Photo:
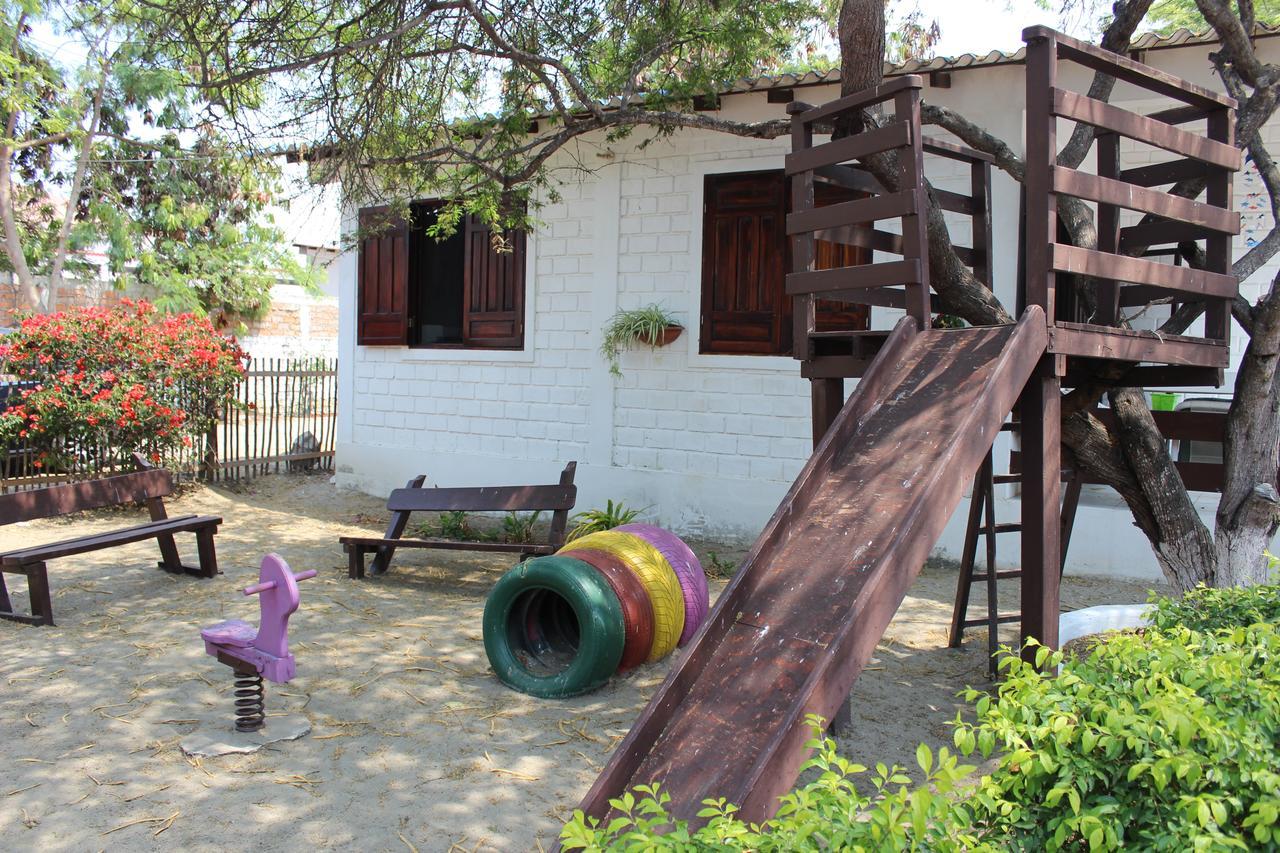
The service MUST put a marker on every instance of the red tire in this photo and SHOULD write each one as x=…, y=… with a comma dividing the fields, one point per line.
x=637, y=610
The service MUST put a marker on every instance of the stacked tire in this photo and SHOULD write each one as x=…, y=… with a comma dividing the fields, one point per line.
x=607, y=602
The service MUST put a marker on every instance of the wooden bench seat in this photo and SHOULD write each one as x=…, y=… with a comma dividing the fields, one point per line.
x=558, y=499
x=148, y=485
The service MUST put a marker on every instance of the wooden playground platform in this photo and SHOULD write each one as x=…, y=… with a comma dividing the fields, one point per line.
x=807, y=608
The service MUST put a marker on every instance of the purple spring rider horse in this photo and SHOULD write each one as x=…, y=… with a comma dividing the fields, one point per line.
x=254, y=654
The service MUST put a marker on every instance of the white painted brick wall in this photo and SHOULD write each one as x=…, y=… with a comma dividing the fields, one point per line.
x=627, y=236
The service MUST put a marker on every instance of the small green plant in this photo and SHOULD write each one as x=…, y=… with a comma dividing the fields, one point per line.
x=1208, y=609
x=638, y=325
x=595, y=520
x=454, y=525
x=720, y=567
x=829, y=813
x=519, y=528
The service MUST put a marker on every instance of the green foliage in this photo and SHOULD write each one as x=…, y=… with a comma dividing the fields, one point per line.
x=595, y=520
x=106, y=119
x=1164, y=740
x=454, y=525
x=1166, y=16
x=519, y=528
x=719, y=567
x=637, y=325
x=829, y=813
x=442, y=101
x=1209, y=609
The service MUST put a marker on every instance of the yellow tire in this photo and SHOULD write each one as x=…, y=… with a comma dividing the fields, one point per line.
x=659, y=580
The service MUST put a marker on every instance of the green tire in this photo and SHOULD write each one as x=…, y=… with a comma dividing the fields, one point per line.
x=553, y=628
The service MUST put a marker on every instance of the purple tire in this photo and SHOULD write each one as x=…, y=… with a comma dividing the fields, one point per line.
x=693, y=581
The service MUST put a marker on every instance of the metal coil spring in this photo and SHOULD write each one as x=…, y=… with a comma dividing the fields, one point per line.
x=250, y=706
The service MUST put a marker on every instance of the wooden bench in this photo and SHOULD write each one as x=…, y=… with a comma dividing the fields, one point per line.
x=559, y=499
x=148, y=485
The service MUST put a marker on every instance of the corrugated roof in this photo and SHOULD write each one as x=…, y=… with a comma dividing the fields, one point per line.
x=1147, y=41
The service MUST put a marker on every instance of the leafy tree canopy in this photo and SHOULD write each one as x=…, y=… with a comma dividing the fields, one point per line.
x=106, y=146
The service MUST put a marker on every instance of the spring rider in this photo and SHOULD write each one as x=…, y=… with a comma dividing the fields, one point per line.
x=263, y=652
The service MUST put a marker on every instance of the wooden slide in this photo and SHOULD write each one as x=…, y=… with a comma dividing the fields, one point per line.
x=801, y=618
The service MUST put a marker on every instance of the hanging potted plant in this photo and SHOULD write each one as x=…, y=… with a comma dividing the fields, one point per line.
x=651, y=325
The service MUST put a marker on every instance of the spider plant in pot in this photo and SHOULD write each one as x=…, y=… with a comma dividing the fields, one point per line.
x=652, y=325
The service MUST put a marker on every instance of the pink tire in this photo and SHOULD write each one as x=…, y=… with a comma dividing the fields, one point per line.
x=693, y=581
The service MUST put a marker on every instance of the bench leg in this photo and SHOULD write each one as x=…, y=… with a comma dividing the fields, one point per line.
x=6, y=605
x=208, y=556
x=38, y=588
x=381, y=560
x=169, y=559
x=355, y=562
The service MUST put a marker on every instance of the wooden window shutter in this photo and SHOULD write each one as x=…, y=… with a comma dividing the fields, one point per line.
x=744, y=309
x=493, y=289
x=382, y=290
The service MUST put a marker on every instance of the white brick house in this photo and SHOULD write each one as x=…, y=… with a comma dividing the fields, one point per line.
x=706, y=441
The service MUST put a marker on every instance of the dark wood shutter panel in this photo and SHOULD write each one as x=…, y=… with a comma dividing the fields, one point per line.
x=743, y=262
x=493, y=289
x=382, y=290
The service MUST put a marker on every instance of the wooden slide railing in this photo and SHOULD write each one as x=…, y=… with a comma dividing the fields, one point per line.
x=884, y=282
x=1123, y=277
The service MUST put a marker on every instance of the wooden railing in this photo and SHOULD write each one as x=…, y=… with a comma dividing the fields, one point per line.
x=1120, y=268
x=886, y=283
x=904, y=282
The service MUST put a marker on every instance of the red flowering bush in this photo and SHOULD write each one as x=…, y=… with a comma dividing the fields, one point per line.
x=110, y=382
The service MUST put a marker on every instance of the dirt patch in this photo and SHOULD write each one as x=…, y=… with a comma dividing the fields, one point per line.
x=414, y=743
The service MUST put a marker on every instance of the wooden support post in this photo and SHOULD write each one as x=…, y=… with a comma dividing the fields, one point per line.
x=1042, y=146
x=1217, y=315
x=915, y=236
x=828, y=398
x=1108, y=292
x=1040, y=409
x=803, y=249
x=5, y=604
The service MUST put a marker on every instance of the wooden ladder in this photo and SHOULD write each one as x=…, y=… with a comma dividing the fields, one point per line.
x=982, y=522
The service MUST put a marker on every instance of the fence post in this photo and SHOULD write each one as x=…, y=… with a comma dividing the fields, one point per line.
x=209, y=464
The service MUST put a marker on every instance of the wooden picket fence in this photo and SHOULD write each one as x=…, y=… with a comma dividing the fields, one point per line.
x=283, y=418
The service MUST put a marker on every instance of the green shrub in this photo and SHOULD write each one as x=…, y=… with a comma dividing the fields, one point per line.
x=1164, y=740
x=829, y=813
x=1167, y=739
x=1207, y=609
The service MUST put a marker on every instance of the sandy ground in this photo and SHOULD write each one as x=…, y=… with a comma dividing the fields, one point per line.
x=415, y=745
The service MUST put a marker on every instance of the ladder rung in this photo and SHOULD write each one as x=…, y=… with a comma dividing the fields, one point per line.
x=1010, y=527
x=1010, y=573
x=1000, y=479
x=1002, y=620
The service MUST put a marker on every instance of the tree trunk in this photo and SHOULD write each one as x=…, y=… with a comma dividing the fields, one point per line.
x=860, y=26
x=1249, y=511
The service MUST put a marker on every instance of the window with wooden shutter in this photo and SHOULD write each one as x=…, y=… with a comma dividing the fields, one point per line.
x=457, y=292
x=493, y=288
x=743, y=263
x=745, y=256
x=382, y=289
